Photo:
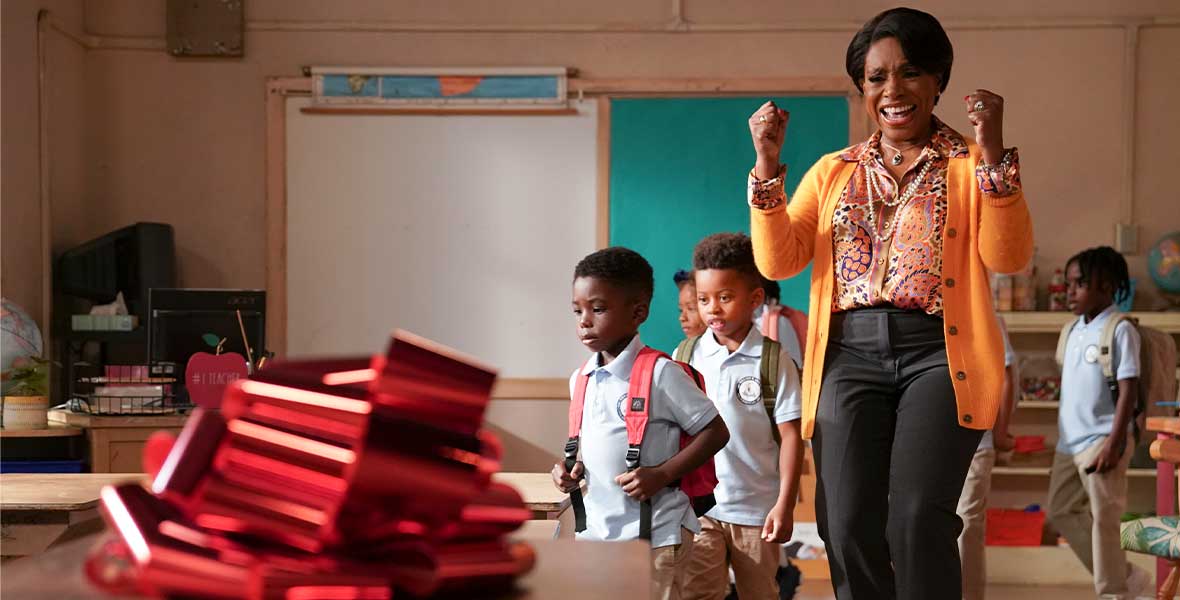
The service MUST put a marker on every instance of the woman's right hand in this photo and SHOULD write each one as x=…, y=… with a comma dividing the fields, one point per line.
x=768, y=127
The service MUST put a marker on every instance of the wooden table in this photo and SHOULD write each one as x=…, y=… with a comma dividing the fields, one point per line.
x=38, y=511
x=565, y=569
x=539, y=493
x=116, y=442
x=54, y=429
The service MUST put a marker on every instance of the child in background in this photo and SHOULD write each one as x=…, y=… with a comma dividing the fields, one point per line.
x=780, y=322
x=1088, y=483
x=690, y=320
x=757, y=479
x=973, y=501
x=612, y=291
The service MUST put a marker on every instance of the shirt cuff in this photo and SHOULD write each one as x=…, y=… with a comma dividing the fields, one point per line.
x=765, y=194
x=1002, y=179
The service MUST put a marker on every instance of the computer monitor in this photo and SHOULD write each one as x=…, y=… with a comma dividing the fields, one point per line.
x=182, y=322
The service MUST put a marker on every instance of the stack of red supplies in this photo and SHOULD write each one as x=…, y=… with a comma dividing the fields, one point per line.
x=360, y=479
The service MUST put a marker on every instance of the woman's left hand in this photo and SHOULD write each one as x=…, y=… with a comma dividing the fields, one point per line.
x=985, y=110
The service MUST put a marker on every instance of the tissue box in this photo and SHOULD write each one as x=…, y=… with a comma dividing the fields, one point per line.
x=104, y=322
x=82, y=322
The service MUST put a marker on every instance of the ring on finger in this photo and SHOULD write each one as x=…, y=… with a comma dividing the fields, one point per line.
x=978, y=106
x=761, y=118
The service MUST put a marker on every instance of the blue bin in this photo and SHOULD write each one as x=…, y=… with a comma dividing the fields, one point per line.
x=41, y=466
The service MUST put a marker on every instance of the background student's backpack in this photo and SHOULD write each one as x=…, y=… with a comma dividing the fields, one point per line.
x=797, y=319
x=1157, y=366
x=698, y=485
x=767, y=372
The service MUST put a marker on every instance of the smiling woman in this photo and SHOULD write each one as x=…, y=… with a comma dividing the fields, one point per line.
x=904, y=365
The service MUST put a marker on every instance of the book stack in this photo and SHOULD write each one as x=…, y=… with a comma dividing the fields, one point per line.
x=355, y=478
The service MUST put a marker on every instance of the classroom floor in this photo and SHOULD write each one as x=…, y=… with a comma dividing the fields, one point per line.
x=822, y=590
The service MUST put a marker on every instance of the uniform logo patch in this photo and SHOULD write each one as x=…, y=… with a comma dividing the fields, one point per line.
x=749, y=390
x=621, y=407
x=1091, y=354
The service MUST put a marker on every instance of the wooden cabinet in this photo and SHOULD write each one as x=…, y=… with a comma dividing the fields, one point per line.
x=116, y=442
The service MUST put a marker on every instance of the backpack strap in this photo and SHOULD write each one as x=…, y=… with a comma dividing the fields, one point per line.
x=577, y=401
x=769, y=325
x=638, y=412
x=768, y=373
x=685, y=349
x=1106, y=361
x=1063, y=340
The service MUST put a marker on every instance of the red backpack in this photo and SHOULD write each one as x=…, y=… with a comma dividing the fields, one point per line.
x=697, y=485
x=797, y=319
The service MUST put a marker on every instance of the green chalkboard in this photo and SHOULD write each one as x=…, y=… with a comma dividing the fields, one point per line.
x=678, y=173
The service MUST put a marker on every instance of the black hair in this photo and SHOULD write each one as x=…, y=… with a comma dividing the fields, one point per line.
x=922, y=39
x=1103, y=266
x=682, y=277
x=772, y=289
x=622, y=267
x=727, y=251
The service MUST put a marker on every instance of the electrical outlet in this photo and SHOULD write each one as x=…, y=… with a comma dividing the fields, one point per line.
x=1126, y=238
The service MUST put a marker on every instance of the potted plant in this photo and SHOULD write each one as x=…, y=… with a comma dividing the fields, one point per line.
x=26, y=403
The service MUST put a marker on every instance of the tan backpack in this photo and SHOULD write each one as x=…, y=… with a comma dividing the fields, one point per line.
x=1157, y=366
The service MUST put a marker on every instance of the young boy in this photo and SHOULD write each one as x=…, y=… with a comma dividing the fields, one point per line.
x=612, y=292
x=973, y=501
x=757, y=478
x=690, y=320
x=785, y=332
x=1088, y=484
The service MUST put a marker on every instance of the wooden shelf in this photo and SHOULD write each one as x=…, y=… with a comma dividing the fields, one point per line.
x=54, y=430
x=1039, y=404
x=1052, y=322
x=1044, y=471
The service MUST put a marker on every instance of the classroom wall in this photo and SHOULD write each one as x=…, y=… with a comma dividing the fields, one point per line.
x=182, y=141
x=21, y=272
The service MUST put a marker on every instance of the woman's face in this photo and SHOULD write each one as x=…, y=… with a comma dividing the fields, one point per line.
x=898, y=95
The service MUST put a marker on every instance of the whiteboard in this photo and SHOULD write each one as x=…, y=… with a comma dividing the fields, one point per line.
x=463, y=229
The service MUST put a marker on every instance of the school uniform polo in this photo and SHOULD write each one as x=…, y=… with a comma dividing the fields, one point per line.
x=676, y=405
x=788, y=339
x=1086, y=414
x=747, y=467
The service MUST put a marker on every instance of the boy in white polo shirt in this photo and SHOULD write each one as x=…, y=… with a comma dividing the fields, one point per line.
x=1088, y=484
x=611, y=298
x=757, y=478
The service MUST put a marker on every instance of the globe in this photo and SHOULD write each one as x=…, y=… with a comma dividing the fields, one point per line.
x=19, y=336
x=1163, y=263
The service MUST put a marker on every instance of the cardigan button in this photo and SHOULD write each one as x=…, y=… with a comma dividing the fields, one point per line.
x=953, y=330
x=967, y=418
x=951, y=232
x=960, y=376
x=950, y=282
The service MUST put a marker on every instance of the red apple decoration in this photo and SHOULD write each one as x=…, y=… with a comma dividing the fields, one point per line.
x=207, y=376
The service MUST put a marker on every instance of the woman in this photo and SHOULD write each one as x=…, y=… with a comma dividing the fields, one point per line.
x=905, y=362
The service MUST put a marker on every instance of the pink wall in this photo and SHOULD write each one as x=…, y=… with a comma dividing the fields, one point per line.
x=138, y=135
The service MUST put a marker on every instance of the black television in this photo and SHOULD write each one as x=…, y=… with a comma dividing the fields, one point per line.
x=131, y=260
x=181, y=322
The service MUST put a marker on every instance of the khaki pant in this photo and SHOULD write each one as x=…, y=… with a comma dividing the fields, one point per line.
x=720, y=545
x=1086, y=510
x=668, y=567
x=973, y=511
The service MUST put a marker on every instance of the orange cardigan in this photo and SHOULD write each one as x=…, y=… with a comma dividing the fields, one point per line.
x=981, y=232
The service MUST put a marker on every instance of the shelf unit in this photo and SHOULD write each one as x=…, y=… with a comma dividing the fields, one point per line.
x=1052, y=322
x=1034, y=336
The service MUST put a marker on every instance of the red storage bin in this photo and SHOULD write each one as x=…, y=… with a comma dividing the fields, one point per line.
x=1013, y=527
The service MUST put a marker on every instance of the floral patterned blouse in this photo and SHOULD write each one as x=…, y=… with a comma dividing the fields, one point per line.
x=904, y=270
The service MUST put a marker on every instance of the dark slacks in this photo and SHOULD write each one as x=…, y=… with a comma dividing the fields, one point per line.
x=891, y=458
